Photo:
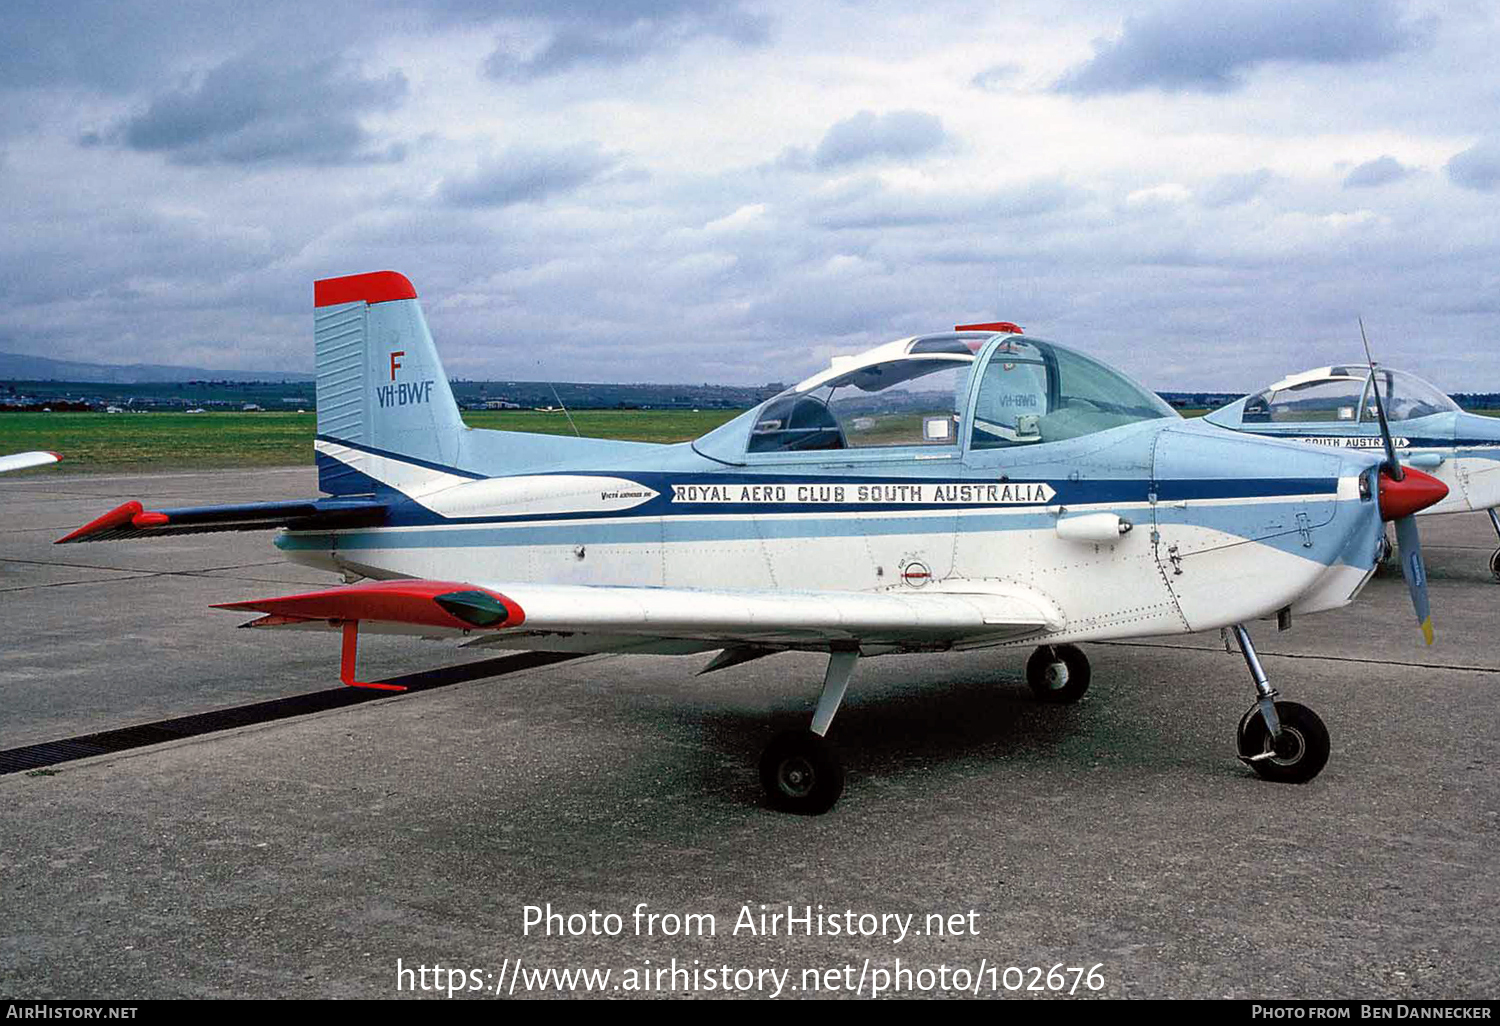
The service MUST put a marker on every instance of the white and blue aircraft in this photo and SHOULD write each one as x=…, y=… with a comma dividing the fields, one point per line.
x=24, y=460
x=1336, y=407
x=958, y=490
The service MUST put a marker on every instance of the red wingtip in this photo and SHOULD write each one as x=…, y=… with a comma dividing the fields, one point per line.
x=1014, y=329
x=401, y=601
x=374, y=287
x=1413, y=493
x=55, y=455
x=117, y=517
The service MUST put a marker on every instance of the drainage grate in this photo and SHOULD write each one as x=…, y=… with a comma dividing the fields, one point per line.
x=50, y=753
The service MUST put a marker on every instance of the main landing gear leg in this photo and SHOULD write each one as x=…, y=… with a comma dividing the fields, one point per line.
x=799, y=769
x=1282, y=741
x=1495, y=556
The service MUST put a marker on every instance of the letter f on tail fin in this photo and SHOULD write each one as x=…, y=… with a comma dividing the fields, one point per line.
x=386, y=416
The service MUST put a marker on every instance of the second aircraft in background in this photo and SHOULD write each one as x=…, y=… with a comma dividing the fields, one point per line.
x=1334, y=407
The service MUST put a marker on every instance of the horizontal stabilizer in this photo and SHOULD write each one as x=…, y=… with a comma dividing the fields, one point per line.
x=132, y=520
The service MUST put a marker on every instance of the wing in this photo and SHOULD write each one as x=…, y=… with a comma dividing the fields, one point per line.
x=132, y=520
x=582, y=618
x=22, y=460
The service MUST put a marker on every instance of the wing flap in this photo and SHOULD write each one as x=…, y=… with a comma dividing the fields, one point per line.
x=771, y=617
x=132, y=520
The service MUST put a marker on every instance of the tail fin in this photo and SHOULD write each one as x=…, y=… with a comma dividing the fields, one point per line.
x=386, y=416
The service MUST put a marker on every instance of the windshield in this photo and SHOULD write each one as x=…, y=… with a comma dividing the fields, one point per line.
x=1034, y=391
x=1406, y=397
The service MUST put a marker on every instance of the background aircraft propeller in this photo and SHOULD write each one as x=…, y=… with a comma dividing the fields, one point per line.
x=1402, y=493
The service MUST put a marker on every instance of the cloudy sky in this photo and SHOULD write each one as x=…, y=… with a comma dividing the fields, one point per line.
x=1205, y=194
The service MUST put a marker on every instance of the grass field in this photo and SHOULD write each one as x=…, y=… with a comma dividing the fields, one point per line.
x=91, y=442
x=186, y=441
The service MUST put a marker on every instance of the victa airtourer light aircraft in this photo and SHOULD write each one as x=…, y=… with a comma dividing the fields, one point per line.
x=1334, y=407
x=958, y=490
x=23, y=460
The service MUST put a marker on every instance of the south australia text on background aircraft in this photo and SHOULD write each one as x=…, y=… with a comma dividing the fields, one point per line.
x=959, y=490
x=1336, y=407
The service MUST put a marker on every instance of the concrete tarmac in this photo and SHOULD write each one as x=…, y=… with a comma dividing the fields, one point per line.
x=304, y=858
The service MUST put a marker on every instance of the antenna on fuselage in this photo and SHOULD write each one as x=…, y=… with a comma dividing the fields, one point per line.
x=562, y=405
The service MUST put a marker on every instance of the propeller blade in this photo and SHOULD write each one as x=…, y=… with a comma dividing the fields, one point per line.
x=1393, y=465
x=1416, y=572
x=1402, y=494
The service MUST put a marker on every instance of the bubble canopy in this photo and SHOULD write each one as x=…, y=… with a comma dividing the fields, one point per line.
x=1344, y=395
x=940, y=392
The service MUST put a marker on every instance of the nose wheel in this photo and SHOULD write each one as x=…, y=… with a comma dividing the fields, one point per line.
x=1296, y=755
x=1281, y=741
x=1058, y=674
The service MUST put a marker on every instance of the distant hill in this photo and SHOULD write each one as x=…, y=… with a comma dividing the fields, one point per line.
x=15, y=367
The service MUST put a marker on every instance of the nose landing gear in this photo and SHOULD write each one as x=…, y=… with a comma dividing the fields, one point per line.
x=1385, y=556
x=1281, y=741
x=1495, y=556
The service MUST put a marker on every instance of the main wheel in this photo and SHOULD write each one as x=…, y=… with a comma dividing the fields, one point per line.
x=801, y=773
x=1058, y=674
x=1495, y=564
x=1297, y=756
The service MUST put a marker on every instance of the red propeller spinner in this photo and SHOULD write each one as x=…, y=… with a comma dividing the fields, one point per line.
x=1413, y=492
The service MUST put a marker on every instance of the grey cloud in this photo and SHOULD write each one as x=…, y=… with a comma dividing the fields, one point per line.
x=897, y=135
x=1380, y=171
x=872, y=205
x=529, y=176
x=248, y=111
x=117, y=46
x=610, y=35
x=995, y=78
x=1227, y=190
x=104, y=44
x=1478, y=167
x=1188, y=45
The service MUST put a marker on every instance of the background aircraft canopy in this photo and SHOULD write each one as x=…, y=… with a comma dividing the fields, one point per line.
x=1343, y=395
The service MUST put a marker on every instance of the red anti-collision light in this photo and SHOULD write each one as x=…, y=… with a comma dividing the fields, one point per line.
x=1014, y=329
x=1414, y=492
